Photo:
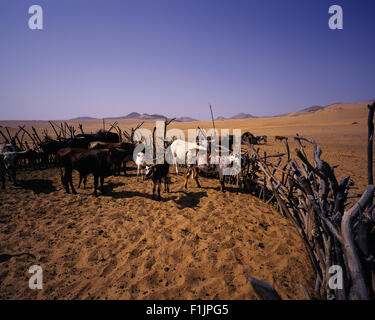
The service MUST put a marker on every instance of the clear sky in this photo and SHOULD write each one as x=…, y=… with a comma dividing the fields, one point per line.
x=105, y=58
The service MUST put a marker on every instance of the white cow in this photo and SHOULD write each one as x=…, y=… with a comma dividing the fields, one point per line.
x=179, y=149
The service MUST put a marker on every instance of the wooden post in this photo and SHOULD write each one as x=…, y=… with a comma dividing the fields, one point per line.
x=265, y=178
x=213, y=122
x=5, y=138
x=370, y=124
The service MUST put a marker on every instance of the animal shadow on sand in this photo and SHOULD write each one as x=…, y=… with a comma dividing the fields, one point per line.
x=5, y=257
x=190, y=199
x=109, y=192
x=37, y=185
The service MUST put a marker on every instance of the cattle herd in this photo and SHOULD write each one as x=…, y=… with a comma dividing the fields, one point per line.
x=104, y=153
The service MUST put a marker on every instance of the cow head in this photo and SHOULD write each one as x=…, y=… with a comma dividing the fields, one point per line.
x=149, y=170
x=10, y=160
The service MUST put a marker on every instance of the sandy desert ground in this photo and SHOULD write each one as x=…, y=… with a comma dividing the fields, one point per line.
x=199, y=244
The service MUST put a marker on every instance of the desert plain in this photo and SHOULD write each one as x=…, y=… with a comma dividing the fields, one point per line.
x=194, y=244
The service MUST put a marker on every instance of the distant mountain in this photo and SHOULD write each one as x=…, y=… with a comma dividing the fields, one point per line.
x=83, y=118
x=220, y=118
x=131, y=115
x=313, y=109
x=144, y=116
x=237, y=116
x=308, y=110
x=242, y=116
x=185, y=119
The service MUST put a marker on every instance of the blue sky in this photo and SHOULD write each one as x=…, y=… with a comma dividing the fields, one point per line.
x=105, y=58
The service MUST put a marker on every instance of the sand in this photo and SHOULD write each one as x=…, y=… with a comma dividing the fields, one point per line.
x=199, y=244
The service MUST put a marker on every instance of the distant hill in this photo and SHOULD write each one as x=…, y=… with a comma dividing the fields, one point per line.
x=237, y=116
x=313, y=109
x=334, y=106
x=83, y=118
x=220, y=118
x=144, y=116
x=304, y=111
x=185, y=119
x=242, y=116
x=307, y=110
x=132, y=115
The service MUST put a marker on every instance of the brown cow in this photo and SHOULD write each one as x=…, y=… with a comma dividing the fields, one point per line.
x=127, y=147
x=118, y=158
x=98, y=162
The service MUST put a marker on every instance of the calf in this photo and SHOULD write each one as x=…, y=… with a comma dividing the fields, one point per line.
x=98, y=162
x=205, y=165
x=140, y=162
x=157, y=173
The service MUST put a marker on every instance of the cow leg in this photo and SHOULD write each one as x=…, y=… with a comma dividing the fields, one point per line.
x=153, y=190
x=196, y=177
x=166, y=184
x=124, y=167
x=66, y=179
x=80, y=180
x=188, y=174
x=96, y=180
x=71, y=183
x=72, y=186
x=222, y=183
x=14, y=177
x=222, y=180
x=102, y=183
x=159, y=187
x=3, y=182
x=175, y=163
x=137, y=173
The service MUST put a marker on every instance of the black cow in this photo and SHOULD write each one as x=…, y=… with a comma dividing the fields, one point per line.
x=157, y=173
x=2, y=171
